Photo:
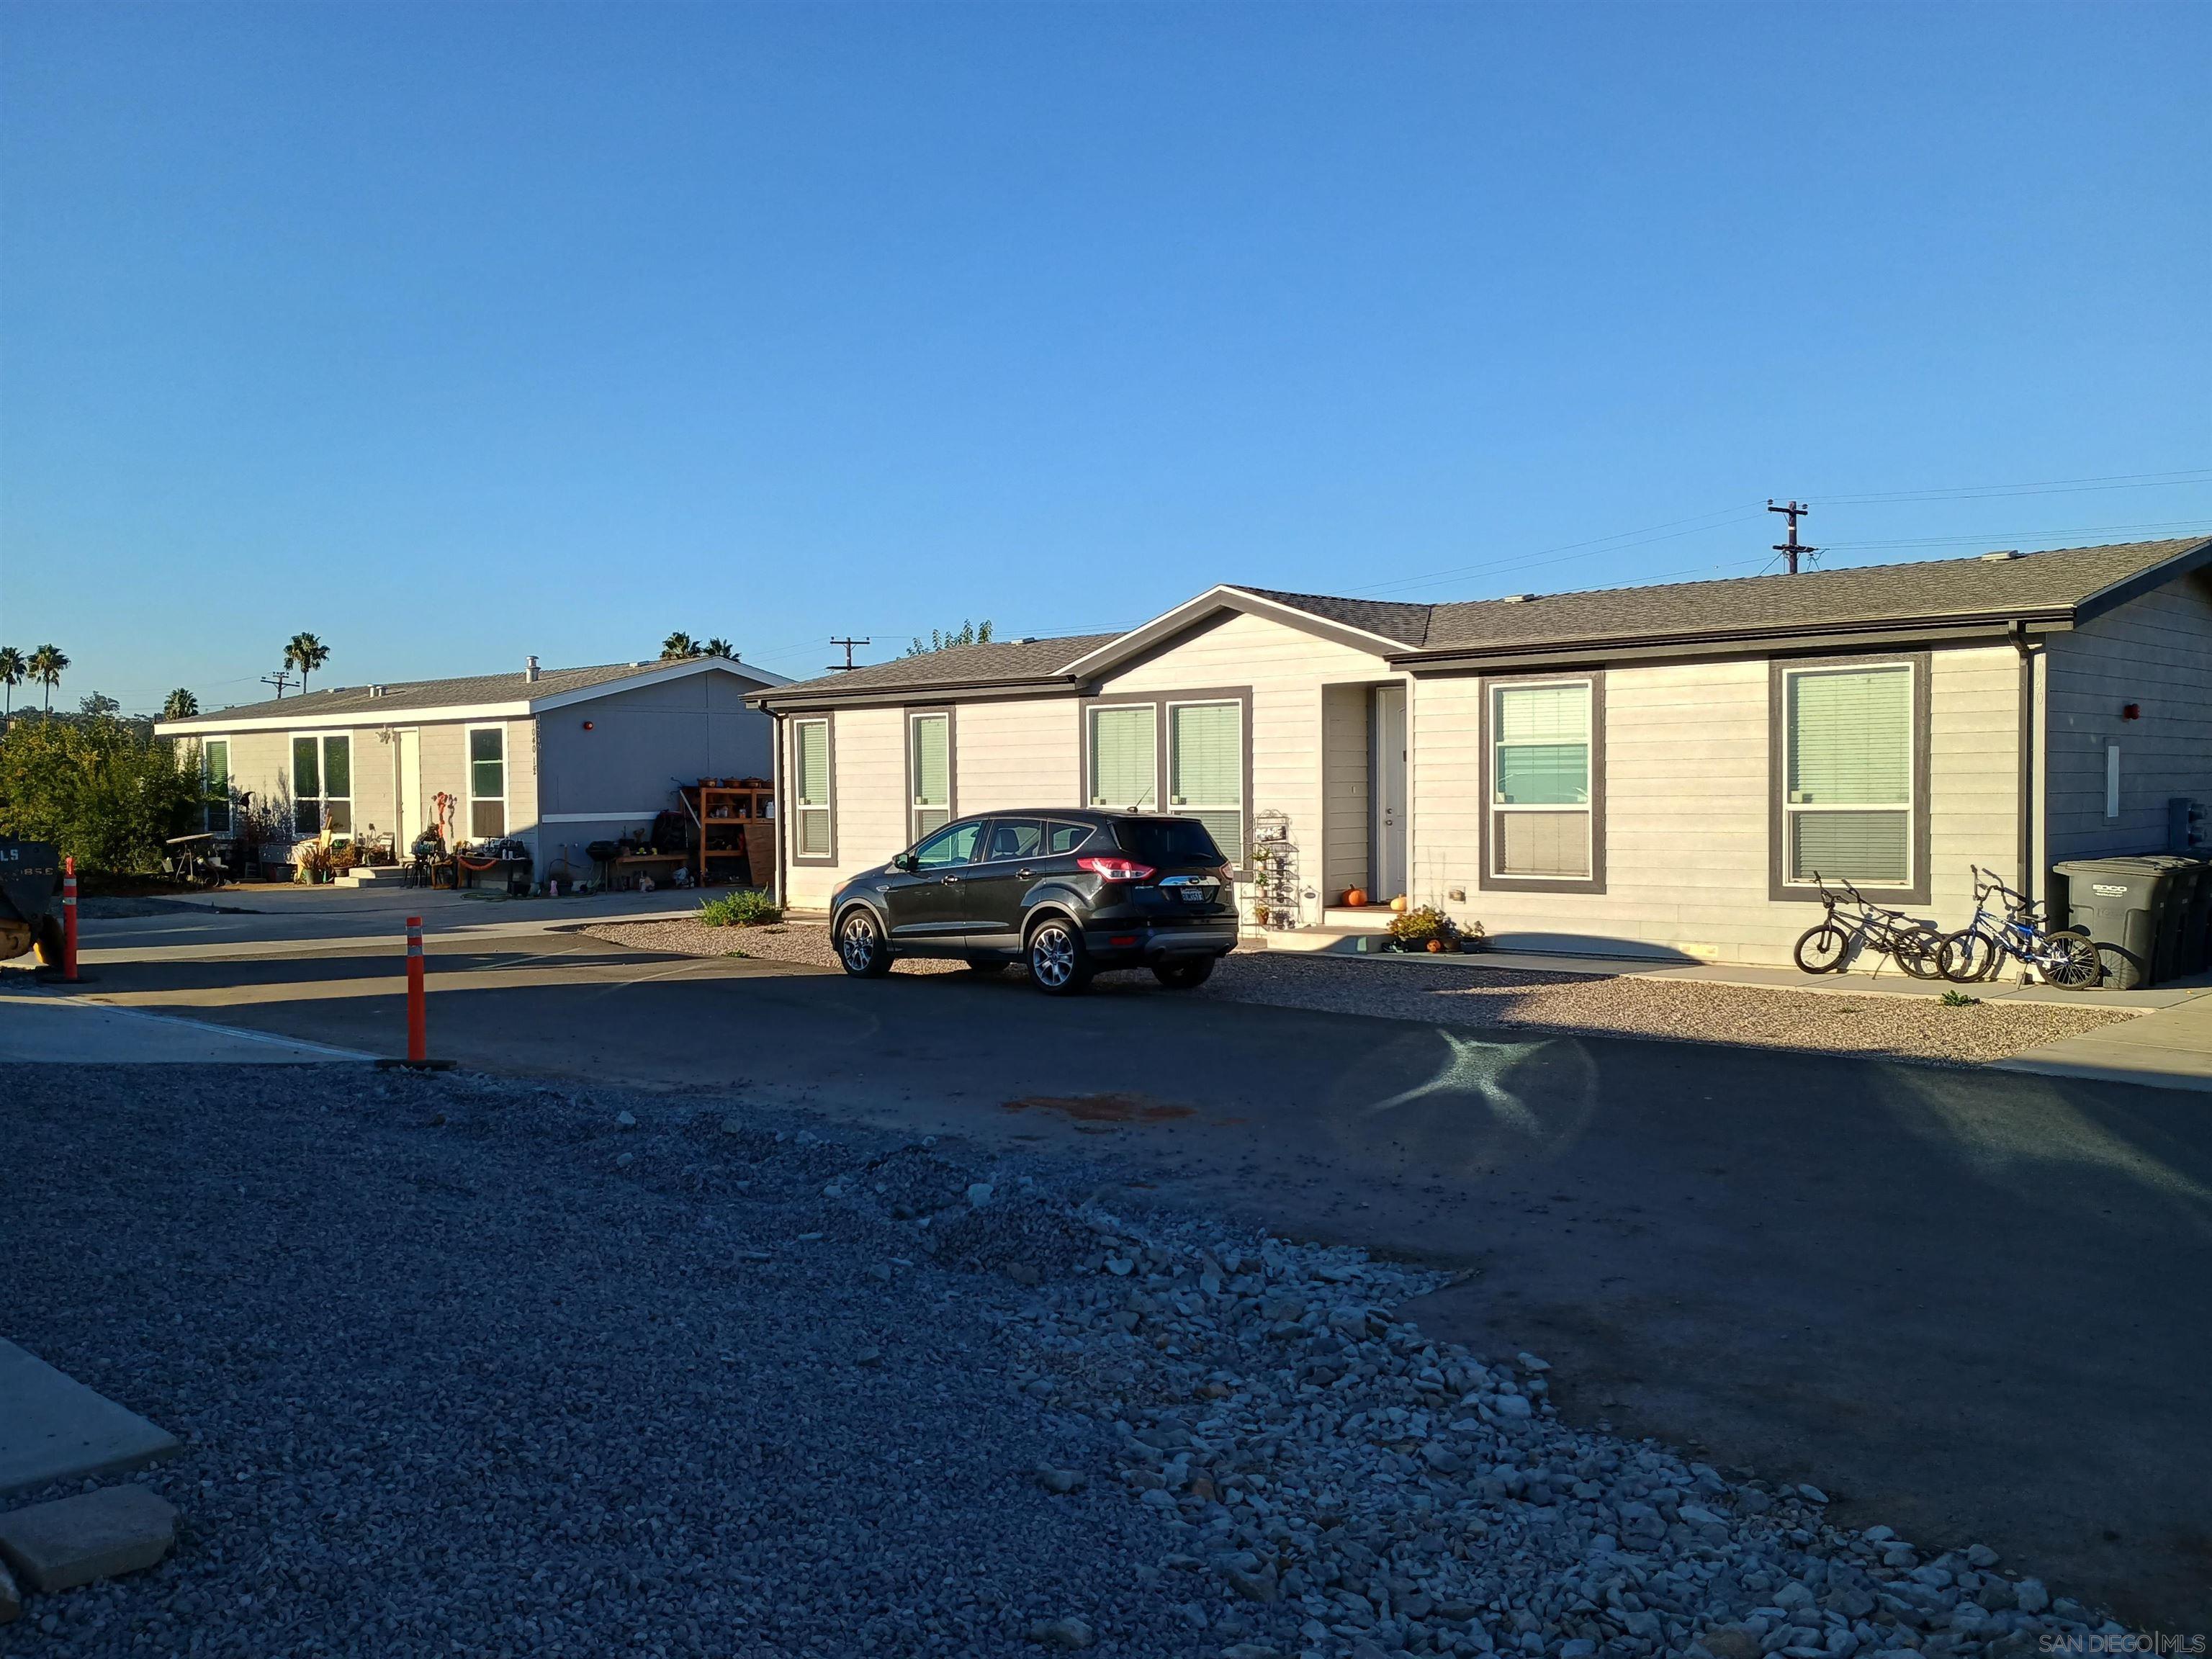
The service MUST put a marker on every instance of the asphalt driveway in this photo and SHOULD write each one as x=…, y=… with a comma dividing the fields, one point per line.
x=1975, y=1306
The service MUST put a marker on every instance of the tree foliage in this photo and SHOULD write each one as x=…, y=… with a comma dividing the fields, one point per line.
x=968, y=633
x=103, y=790
x=47, y=665
x=679, y=645
x=306, y=654
x=181, y=706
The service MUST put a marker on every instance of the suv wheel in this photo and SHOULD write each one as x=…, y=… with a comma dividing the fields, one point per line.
x=1185, y=974
x=1058, y=961
x=861, y=946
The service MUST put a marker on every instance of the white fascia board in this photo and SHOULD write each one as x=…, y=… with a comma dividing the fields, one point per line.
x=1224, y=596
x=214, y=725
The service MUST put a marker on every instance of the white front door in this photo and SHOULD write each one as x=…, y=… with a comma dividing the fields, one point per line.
x=1388, y=737
x=407, y=790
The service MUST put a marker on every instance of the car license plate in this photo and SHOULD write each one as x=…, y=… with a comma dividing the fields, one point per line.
x=1197, y=895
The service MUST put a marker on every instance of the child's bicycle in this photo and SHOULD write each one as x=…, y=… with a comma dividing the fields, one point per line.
x=1826, y=947
x=2062, y=956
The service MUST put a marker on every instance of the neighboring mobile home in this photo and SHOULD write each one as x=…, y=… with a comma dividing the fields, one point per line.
x=556, y=758
x=1653, y=770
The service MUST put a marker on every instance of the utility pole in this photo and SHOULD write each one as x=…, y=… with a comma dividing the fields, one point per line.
x=280, y=679
x=846, y=666
x=1789, y=549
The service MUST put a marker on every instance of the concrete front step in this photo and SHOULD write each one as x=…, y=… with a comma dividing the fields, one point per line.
x=374, y=875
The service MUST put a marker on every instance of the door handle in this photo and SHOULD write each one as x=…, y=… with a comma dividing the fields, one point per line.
x=950, y=881
x=1023, y=875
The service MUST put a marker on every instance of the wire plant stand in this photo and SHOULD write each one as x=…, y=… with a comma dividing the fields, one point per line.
x=1275, y=867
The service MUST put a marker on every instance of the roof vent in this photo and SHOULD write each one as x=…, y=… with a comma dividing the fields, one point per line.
x=1999, y=557
x=375, y=691
x=530, y=669
x=1518, y=598
x=1027, y=639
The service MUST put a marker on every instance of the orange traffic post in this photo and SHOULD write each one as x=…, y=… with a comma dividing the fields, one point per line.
x=418, y=1040
x=69, y=920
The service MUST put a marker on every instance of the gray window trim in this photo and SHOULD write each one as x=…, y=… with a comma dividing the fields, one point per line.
x=908, y=717
x=1780, y=892
x=1594, y=882
x=1159, y=702
x=829, y=723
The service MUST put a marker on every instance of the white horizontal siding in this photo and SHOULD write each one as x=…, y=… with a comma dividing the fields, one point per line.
x=1688, y=809
x=1017, y=753
x=1286, y=671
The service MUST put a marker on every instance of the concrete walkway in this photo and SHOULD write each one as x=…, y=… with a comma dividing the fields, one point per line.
x=57, y=1429
x=2169, y=1049
x=1886, y=981
x=44, y=1026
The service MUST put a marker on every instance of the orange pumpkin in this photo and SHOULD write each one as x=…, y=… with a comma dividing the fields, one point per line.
x=1436, y=947
x=1355, y=898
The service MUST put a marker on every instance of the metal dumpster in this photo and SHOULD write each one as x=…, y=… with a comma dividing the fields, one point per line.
x=2120, y=902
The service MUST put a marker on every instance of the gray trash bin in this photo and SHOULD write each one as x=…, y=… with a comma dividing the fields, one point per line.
x=2180, y=948
x=2119, y=902
x=2199, y=926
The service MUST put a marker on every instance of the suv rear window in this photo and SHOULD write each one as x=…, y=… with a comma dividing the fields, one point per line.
x=1168, y=841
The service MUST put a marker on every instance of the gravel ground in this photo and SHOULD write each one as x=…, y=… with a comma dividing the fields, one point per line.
x=1904, y=1028
x=480, y=1366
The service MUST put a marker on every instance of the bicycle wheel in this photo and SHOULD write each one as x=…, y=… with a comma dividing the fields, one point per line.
x=2070, y=959
x=1916, y=950
x=1821, y=950
x=1966, y=957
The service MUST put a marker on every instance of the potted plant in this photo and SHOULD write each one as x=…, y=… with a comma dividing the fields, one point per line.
x=1425, y=927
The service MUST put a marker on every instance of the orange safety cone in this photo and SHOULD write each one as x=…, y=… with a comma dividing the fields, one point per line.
x=418, y=1038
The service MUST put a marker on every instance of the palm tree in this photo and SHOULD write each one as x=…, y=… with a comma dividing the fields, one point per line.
x=719, y=647
x=305, y=654
x=181, y=706
x=678, y=646
x=13, y=669
x=46, y=665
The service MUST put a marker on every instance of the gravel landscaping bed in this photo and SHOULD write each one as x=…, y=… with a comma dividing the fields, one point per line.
x=472, y=1365
x=1891, y=1027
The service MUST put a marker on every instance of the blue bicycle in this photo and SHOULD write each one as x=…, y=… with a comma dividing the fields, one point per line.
x=2061, y=956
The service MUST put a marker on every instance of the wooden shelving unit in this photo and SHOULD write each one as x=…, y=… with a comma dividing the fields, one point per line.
x=736, y=822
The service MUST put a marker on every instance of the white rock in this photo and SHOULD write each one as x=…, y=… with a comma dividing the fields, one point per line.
x=626, y=1120
x=2033, y=1598
x=1069, y=1634
x=980, y=1192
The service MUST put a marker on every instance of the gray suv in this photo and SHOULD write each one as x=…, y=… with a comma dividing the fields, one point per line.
x=1071, y=893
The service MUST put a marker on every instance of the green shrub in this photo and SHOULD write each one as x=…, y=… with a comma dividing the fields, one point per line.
x=1958, y=1000
x=1416, y=927
x=747, y=909
x=107, y=792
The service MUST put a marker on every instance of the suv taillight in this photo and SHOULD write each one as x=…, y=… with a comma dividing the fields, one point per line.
x=1115, y=869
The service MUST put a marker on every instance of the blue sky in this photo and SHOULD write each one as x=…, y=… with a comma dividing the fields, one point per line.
x=456, y=333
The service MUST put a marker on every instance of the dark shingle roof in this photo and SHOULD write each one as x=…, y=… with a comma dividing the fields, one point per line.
x=340, y=700
x=1002, y=660
x=1866, y=594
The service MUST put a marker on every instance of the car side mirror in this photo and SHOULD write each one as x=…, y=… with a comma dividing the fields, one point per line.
x=905, y=861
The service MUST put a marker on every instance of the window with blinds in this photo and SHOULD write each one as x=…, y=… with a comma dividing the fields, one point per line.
x=1847, y=809
x=1206, y=769
x=809, y=765
x=488, y=782
x=929, y=767
x=1540, y=820
x=1124, y=758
